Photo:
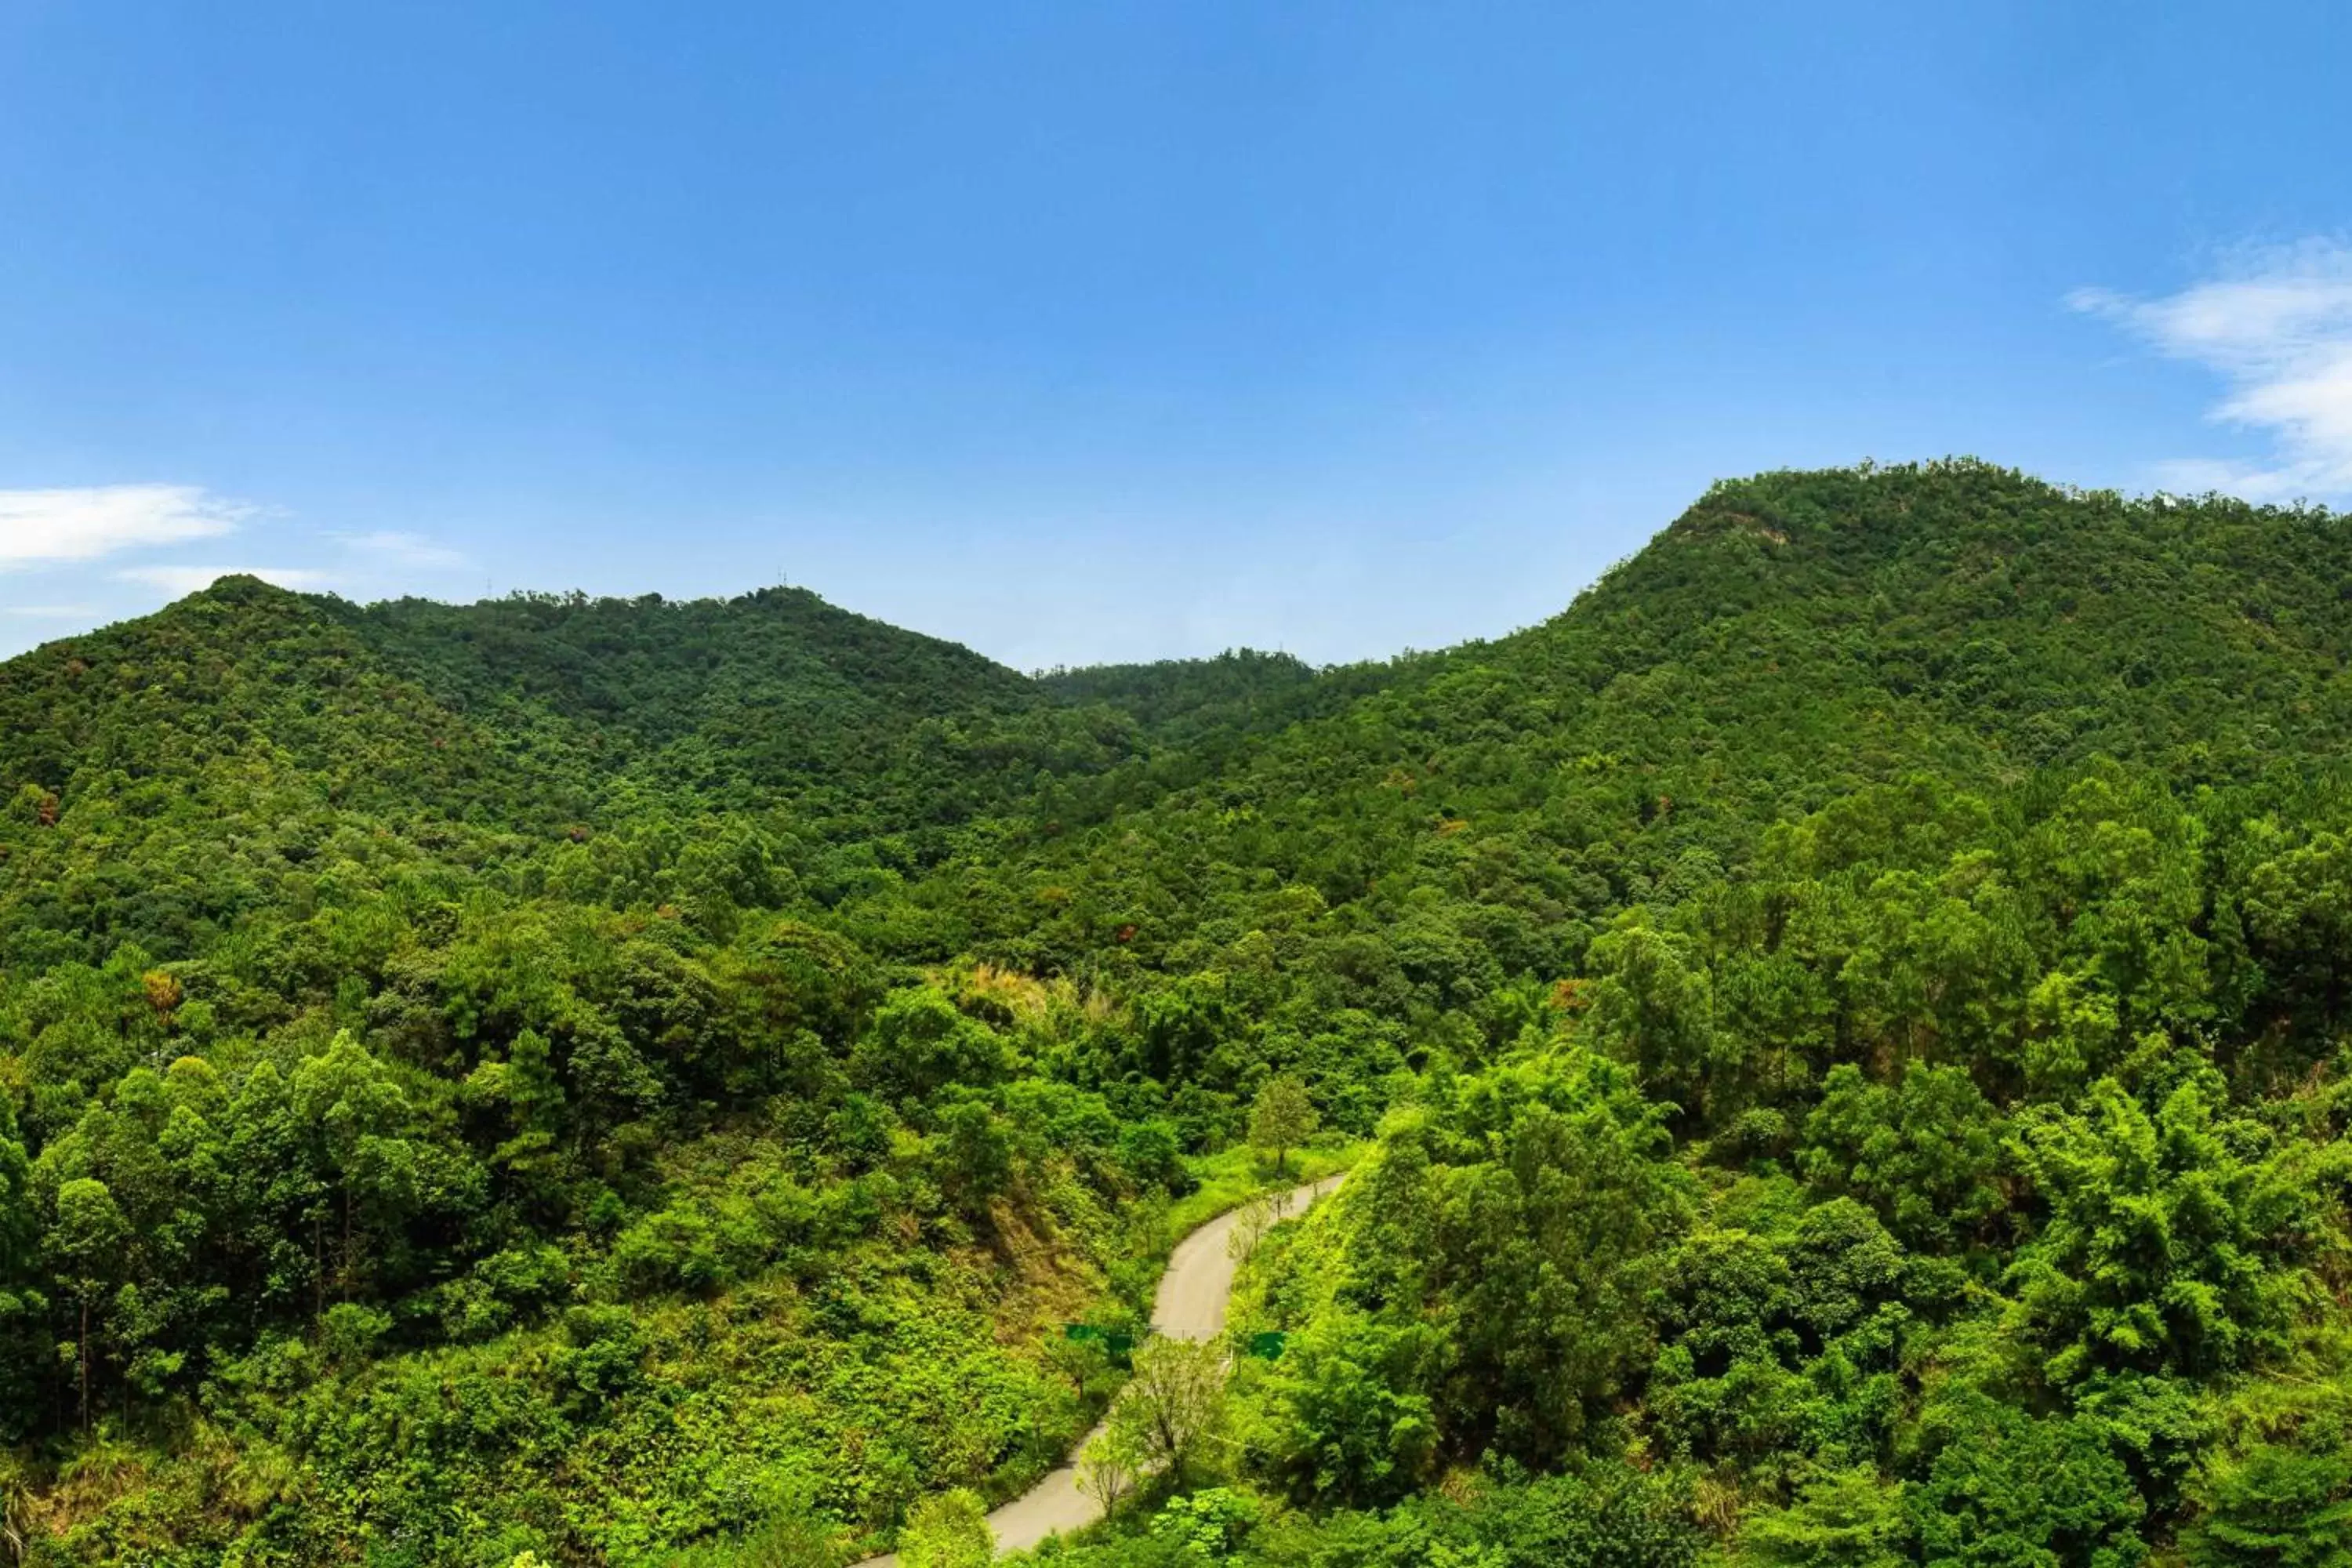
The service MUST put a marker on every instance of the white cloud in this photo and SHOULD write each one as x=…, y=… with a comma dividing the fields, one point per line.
x=40, y=526
x=404, y=549
x=178, y=580
x=48, y=612
x=2278, y=327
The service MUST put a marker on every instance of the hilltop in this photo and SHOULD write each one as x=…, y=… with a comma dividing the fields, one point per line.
x=1788, y=641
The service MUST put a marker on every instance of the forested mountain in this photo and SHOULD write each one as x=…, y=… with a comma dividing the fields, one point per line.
x=776, y=698
x=1845, y=1021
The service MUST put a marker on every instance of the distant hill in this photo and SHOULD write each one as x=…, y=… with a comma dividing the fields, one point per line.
x=772, y=698
x=248, y=716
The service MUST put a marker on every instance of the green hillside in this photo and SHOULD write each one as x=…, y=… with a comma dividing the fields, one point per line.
x=773, y=699
x=194, y=759
x=1846, y=1017
x=1787, y=640
x=1874, y=981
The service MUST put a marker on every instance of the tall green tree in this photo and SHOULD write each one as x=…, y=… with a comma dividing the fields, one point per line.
x=87, y=1238
x=1282, y=1117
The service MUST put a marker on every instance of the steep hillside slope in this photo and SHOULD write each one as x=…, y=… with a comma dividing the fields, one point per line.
x=1790, y=639
x=1875, y=970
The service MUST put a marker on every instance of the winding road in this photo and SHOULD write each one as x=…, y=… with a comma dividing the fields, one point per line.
x=1190, y=1305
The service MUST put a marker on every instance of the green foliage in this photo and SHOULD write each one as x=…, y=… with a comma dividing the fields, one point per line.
x=2170, y=1238
x=1652, y=1002
x=2279, y=1504
x=1346, y=1421
x=2010, y=1489
x=1851, y=1012
x=1599, y=1515
x=2277, y=1486
x=1924, y=1152
x=1548, y=1207
x=1282, y=1118
x=1171, y=1418
x=947, y=1530
x=1844, y=1519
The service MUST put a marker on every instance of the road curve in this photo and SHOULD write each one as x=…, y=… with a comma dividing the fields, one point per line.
x=1190, y=1305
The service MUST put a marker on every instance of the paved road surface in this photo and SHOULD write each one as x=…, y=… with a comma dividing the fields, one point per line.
x=1190, y=1305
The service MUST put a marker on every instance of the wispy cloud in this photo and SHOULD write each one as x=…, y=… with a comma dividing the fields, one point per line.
x=42, y=526
x=179, y=580
x=404, y=549
x=2278, y=327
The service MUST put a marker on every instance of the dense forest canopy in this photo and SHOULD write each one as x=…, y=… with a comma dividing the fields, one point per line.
x=1844, y=1027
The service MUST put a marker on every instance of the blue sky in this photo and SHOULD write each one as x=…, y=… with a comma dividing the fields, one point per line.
x=1103, y=331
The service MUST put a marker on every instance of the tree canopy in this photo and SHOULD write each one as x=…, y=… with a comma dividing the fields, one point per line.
x=1844, y=1026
